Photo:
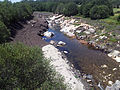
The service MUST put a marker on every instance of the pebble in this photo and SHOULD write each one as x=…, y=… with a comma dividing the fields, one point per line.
x=114, y=69
x=110, y=82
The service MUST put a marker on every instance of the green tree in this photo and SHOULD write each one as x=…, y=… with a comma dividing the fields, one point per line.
x=4, y=32
x=60, y=8
x=86, y=9
x=118, y=18
x=25, y=68
x=70, y=9
x=99, y=12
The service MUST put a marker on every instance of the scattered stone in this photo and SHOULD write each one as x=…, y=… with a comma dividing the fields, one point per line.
x=103, y=37
x=115, y=86
x=89, y=81
x=89, y=76
x=78, y=31
x=86, y=32
x=104, y=66
x=52, y=42
x=114, y=69
x=66, y=52
x=61, y=43
x=110, y=82
x=91, y=30
x=115, y=55
x=48, y=34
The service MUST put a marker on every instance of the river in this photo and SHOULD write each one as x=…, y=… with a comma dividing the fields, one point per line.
x=87, y=60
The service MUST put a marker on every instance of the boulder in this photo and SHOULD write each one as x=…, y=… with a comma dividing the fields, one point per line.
x=52, y=42
x=61, y=43
x=86, y=32
x=91, y=30
x=66, y=52
x=115, y=55
x=69, y=34
x=48, y=34
x=115, y=86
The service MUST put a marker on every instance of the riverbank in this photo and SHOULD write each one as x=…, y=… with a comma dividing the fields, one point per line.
x=29, y=34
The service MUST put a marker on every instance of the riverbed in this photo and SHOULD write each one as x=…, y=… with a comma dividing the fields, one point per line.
x=88, y=61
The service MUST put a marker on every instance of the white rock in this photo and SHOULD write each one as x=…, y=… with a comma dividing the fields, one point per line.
x=114, y=69
x=89, y=80
x=103, y=37
x=52, y=42
x=66, y=52
x=48, y=34
x=78, y=31
x=115, y=55
x=70, y=34
x=86, y=32
x=110, y=82
x=91, y=30
x=104, y=66
x=61, y=43
x=115, y=86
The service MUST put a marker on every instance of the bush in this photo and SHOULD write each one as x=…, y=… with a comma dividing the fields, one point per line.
x=4, y=32
x=86, y=10
x=70, y=9
x=99, y=12
x=22, y=67
x=118, y=18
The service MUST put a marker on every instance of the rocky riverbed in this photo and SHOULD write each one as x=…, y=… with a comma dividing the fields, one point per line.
x=89, y=35
x=86, y=34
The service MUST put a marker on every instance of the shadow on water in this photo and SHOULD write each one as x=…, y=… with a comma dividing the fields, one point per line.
x=87, y=60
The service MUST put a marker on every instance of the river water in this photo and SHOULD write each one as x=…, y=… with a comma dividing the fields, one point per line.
x=87, y=60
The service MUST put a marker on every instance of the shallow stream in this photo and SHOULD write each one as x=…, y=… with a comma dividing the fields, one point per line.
x=87, y=60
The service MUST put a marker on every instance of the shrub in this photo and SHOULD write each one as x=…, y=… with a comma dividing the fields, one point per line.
x=4, y=32
x=86, y=10
x=70, y=9
x=23, y=67
x=99, y=12
x=118, y=18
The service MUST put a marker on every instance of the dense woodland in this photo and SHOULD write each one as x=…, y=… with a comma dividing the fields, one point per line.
x=12, y=57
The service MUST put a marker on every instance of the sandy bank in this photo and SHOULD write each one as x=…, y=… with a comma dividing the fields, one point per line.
x=62, y=67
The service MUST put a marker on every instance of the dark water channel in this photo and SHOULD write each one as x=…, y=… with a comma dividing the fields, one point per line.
x=87, y=60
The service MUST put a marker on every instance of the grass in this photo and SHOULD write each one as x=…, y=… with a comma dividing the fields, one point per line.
x=115, y=10
x=113, y=19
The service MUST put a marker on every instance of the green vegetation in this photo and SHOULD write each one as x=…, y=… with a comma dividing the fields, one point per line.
x=118, y=18
x=96, y=9
x=113, y=19
x=23, y=67
x=4, y=32
x=12, y=13
x=99, y=12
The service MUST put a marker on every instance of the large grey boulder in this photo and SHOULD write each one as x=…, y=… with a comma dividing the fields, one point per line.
x=115, y=86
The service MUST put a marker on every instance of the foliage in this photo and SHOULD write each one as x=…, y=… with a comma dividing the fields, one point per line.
x=25, y=68
x=93, y=5
x=60, y=8
x=86, y=9
x=12, y=13
x=118, y=18
x=99, y=12
x=70, y=9
x=4, y=32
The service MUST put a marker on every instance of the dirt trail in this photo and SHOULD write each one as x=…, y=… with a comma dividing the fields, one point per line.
x=29, y=34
